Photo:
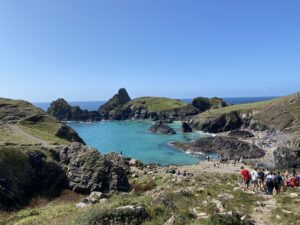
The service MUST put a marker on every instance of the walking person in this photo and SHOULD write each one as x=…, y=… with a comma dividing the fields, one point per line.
x=270, y=183
x=279, y=182
x=254, y=180
x=246, y=176
x=261, y=179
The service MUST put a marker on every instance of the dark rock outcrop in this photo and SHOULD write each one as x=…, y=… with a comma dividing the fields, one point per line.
x=88, y=170
x=113, y=108
x=225, y=122
x=23, y=175
x=186, y=127
x=240, y=134
x=287, y=158
x=68, y=134
x=63, y=111
x=279, y=114
x=228, y=148
x=204, y=104
x=161, y=128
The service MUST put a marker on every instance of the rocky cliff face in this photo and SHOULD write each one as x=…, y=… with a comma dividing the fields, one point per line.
x=228, y=148
x=287, y=158
x=63, y=111
x=110, y=110
x=88, y=170
x=279, y=114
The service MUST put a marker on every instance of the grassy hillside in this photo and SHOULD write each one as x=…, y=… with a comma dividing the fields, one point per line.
x=22, y=123
x=156, y=104
x=280, y=114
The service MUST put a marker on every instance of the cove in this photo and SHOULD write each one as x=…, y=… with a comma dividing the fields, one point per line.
x=133, y=139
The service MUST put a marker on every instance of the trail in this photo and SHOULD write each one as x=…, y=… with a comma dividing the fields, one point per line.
x=17, y=130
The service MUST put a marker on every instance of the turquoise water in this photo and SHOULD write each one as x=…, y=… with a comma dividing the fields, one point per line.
x=133, y=139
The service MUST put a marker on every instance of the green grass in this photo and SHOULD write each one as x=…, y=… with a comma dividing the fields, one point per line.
x=157, y=104
x=7, y=136
x=44, y=130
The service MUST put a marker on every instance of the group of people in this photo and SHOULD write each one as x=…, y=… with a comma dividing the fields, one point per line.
x=260, y=178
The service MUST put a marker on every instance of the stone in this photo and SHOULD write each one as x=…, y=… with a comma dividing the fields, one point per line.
x=229, y=148
x=219, y=205
x=186, y=128
x=199, y=214
x=82, y=205
x=293, y=195
x=103, y=200
x=171, y=221
x=88, y=170
x=225, y=196
x=161, y=128
x=287, y=158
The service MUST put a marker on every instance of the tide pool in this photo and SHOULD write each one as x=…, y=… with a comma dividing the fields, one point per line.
x=132, y=138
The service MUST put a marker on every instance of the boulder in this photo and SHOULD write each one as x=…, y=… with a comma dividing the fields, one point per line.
x=88, y=170
x=67, y=133
x=287, y=158
x=161, y=128
x=186, y=127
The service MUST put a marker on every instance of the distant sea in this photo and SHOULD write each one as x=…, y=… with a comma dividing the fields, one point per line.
x=94, y=105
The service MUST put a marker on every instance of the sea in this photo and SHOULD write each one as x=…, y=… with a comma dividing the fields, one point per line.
x=133, y=139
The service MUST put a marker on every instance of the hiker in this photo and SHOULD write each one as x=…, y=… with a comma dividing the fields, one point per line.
x=278, y=183
x=293, y=181
x=286, y=175
x=270, y=183
x=254, y=180
x=208, y=158
x=246, y=176
x=261, y=179
x=121, y=153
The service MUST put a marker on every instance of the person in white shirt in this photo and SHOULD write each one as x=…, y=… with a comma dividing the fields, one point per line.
x=254, y=180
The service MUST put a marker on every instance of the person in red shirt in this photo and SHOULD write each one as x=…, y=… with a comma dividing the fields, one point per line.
x=246, y=177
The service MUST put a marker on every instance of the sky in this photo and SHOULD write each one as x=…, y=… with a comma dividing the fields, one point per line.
x=87, y=50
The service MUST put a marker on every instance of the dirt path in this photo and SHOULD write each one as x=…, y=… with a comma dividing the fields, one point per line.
x=17, y=130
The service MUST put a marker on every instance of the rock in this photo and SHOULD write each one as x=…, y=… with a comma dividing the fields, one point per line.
x=204, y=104
x=278, y=217
x=199, y=214
x=161, y=128
x=186, y=128
x=219, y=205
x=112, y=109
x=63, y=111
x=25, y=173
x=287, y=158
x=294, y=195
x=133, y=213
x=165, y=201
x=240, y=134
x=171, y=221
x=82, y=205
x=225, y=196
x=229, y=148
x=68, y=134
x=88, y=170
x=95, y=196
x=103, y=200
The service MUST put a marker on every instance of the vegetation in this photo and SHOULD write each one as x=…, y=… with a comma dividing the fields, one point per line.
x=156, y=104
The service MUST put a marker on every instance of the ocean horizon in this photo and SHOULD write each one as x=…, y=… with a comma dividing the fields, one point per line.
x=94, y=105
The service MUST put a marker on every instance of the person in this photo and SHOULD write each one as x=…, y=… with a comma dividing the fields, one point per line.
x=278, y=183
x=208, y=158
x=270, y=183
x=254, y=180
x=261, y=179
x=293, y=181
x=246, y=176
x=267, y=172
x=121, y=153
x=286, y=175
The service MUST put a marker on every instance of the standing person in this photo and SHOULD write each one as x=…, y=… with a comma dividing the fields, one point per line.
x=121, y=153
x=279, y=182
x=270, y=183
x=246, y=176
x=286, y=175
x=254, y=180
x=261, y=179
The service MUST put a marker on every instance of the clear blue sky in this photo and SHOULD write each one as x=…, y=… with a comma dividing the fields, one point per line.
x=86, y=50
